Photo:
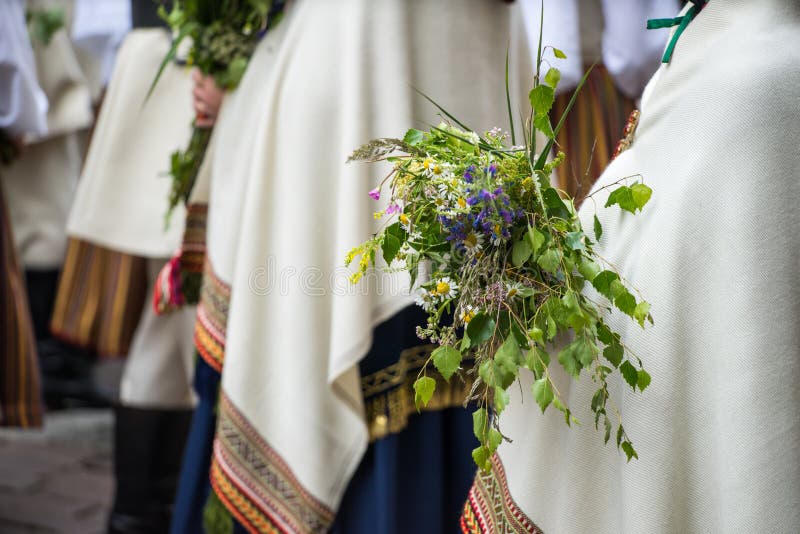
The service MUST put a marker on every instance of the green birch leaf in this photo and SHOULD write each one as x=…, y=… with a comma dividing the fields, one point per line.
x=629, y=373
x=536, y=334
x=643, y=379
x=413, y=137
x=616, y=288
x=559, y=54
x=598, y=229
x=447, y=360
x=501, y=400
x=602, y=283
x=392, y=241
x=629, y=451
x=542, y=393
x=480, y=456
x=614, y=354
x=495, y=439
x=588, y=269
x=509, y=357
x=495, y=375
x=537, y=361
x=626, y=303
x=622, y=196
x=552, y=77
x=536, y=239
x=552, y=329
x=641, y=195
x=550, y=261
x=587, y=351
x=574, y=241
x=521, y=252
x=568, y=358
x=542, y=123
x=620, y=434
x=480, y=329
x=480, y=423
x=607, y=436
x=555, y=204
x=542, y=98
x=423, y=390
x=641, y=312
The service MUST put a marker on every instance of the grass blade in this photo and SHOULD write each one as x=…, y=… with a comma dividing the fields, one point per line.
x=543, y=156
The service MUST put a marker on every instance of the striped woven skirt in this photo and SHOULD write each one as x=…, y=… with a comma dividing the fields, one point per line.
x=591, y=131
x=100, y=298
x=20, y=394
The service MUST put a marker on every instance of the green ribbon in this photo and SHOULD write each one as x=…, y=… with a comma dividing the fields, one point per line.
x=681, y=22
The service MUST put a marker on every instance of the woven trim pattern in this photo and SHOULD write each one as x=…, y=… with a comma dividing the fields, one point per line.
x=490, y=509
x=212, y=319
x=256, y=485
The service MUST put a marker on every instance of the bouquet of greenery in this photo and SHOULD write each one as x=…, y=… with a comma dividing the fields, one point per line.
x=224, y=34
x=509, y=259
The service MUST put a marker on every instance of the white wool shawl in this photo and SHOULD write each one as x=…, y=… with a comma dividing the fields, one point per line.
x=345, y=73
x=716, y=252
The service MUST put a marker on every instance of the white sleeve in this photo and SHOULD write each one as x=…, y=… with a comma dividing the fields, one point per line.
x=23, y=104
x=631, y=52
x=99, y=26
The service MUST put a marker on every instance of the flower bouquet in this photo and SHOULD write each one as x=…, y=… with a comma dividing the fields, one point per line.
x=508, y=259
x=224, y=34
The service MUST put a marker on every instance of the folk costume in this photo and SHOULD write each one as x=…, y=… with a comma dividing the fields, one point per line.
x=119, y=243
x=23, y=111
x=611, y=35
x=718, y=430
x=39, y=188
x=314, y=369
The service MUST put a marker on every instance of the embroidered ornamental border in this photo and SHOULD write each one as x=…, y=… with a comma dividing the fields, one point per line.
x=389, y=393
x=490, y=507
x=256, y=485
x=212, y=319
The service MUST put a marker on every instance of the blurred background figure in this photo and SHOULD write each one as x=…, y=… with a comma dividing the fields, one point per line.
x=23, y=114
x=119, y=243
x=612, y=35
x=308, y=397
x=40, y=186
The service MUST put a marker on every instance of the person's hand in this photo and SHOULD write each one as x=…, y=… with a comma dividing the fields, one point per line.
x=207, y=99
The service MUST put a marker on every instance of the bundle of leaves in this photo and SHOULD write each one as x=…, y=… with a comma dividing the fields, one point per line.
x=224, y=34
x=509, y=260
x=43, y=24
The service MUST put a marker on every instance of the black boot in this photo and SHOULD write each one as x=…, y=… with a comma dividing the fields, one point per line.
x=67, y=379
x=148, y=445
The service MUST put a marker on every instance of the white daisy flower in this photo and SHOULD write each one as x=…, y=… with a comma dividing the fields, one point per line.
x=425, y=300
x=467, y=314
x=446, y=288
x=473, y=242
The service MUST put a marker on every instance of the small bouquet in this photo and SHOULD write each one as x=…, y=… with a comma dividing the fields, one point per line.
x=508, y=258
x=224, y=34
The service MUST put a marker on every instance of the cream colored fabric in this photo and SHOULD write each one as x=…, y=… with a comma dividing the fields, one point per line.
x=122, y=197
x=344, y=74
x=716, y=254
x=39, y=187
x=40, y=184
x=61, y=77
x=160, y=365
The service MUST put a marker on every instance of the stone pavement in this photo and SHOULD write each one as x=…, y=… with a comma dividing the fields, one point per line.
x=57, y=480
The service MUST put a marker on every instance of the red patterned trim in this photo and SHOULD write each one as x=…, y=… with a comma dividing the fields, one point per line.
x=255, y=484
x=212, y=319
x=627, y=134
x=490, y=509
